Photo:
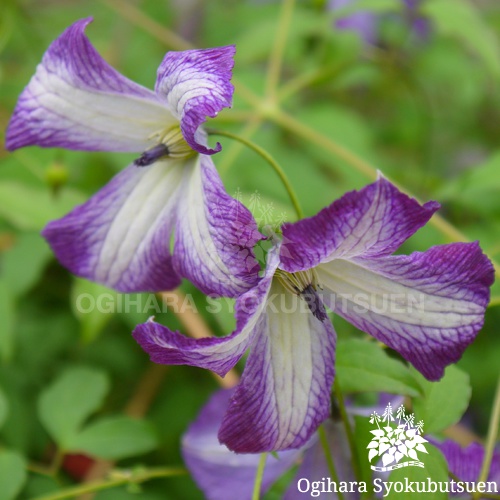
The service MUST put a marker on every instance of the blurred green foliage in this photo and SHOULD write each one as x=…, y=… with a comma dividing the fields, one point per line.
x=425, y=111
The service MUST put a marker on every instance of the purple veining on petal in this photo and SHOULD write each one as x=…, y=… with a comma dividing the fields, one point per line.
x=120, y=237
x=76, y=100
x=284, y=393
x=216, y=354
x=196, y=85
x=220, y=473
x=427, y=306
x=371, y=222
x=215, y=235
x=466, y=463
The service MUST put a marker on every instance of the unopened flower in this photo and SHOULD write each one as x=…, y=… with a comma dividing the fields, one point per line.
x=121, y=236
x=341, y=258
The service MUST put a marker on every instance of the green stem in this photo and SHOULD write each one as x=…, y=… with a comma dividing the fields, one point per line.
x=230, y=154
x=264, y=154
x=329, y=459
x=258, y=477
x=491, y=439
x=118, y=478
x=347, y=425
x=276, y=57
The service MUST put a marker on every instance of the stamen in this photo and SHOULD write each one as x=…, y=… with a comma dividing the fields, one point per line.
x=304, y=284
x=314, y=303
x=151, y=155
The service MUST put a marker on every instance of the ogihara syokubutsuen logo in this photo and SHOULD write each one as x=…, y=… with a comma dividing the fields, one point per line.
x=396, y=441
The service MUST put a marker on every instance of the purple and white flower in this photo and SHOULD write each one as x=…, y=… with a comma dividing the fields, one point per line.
x=219, y=472
x=427, y=306
x=466, y=463
x=121, y=236
x=224, y=475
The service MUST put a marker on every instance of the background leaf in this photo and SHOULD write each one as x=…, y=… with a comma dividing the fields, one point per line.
x=12, y=474
x=70, y=400
x=443, y=403
x=435, y=468
x=114, y=438
x=365, y=366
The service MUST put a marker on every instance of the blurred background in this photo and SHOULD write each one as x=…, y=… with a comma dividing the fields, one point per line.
x=407, y=87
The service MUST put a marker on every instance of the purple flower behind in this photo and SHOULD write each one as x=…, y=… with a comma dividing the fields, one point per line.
x=220, y=473
x=466, y=463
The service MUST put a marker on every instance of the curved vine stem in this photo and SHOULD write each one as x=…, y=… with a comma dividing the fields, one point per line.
x=118, y=478
x=272, y=162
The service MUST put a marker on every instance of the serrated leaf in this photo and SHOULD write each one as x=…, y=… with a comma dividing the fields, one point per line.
x=365, y=366
x=115, y=438
x=12, y=474
x=65, y=405
x=443, y=403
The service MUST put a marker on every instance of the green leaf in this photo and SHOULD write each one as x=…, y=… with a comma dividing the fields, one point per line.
x=7, y=321
x=459, y=18
x=435, y=468
x=443, y=403
x=27, y=207
x=365, y=366
x=70, y=400
x=4, y=407
x=115, y=438
x=24, y=262
x=12, y=474
x=477, y=188
x=93, y=305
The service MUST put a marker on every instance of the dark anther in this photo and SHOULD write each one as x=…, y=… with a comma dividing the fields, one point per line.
x=151, y=155
x=314, y=303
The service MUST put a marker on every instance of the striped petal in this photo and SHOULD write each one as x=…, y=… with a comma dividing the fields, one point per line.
x=121, y=236
x=215, y=235
x=371, y=222
x=466, y=463
x=217, y=354
x=284, y=393
x=427, y=306
x=222, y=474
x=196, y=84
x=76, y=100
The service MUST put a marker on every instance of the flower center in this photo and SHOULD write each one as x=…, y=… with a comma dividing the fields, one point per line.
x=304, y=284
x=170, y=143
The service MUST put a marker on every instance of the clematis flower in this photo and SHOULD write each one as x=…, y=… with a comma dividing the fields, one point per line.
x=224, y=475
x=121, y=236
x=466, y=463
x=220, y=473
x=366, y=22
x=426, y=306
